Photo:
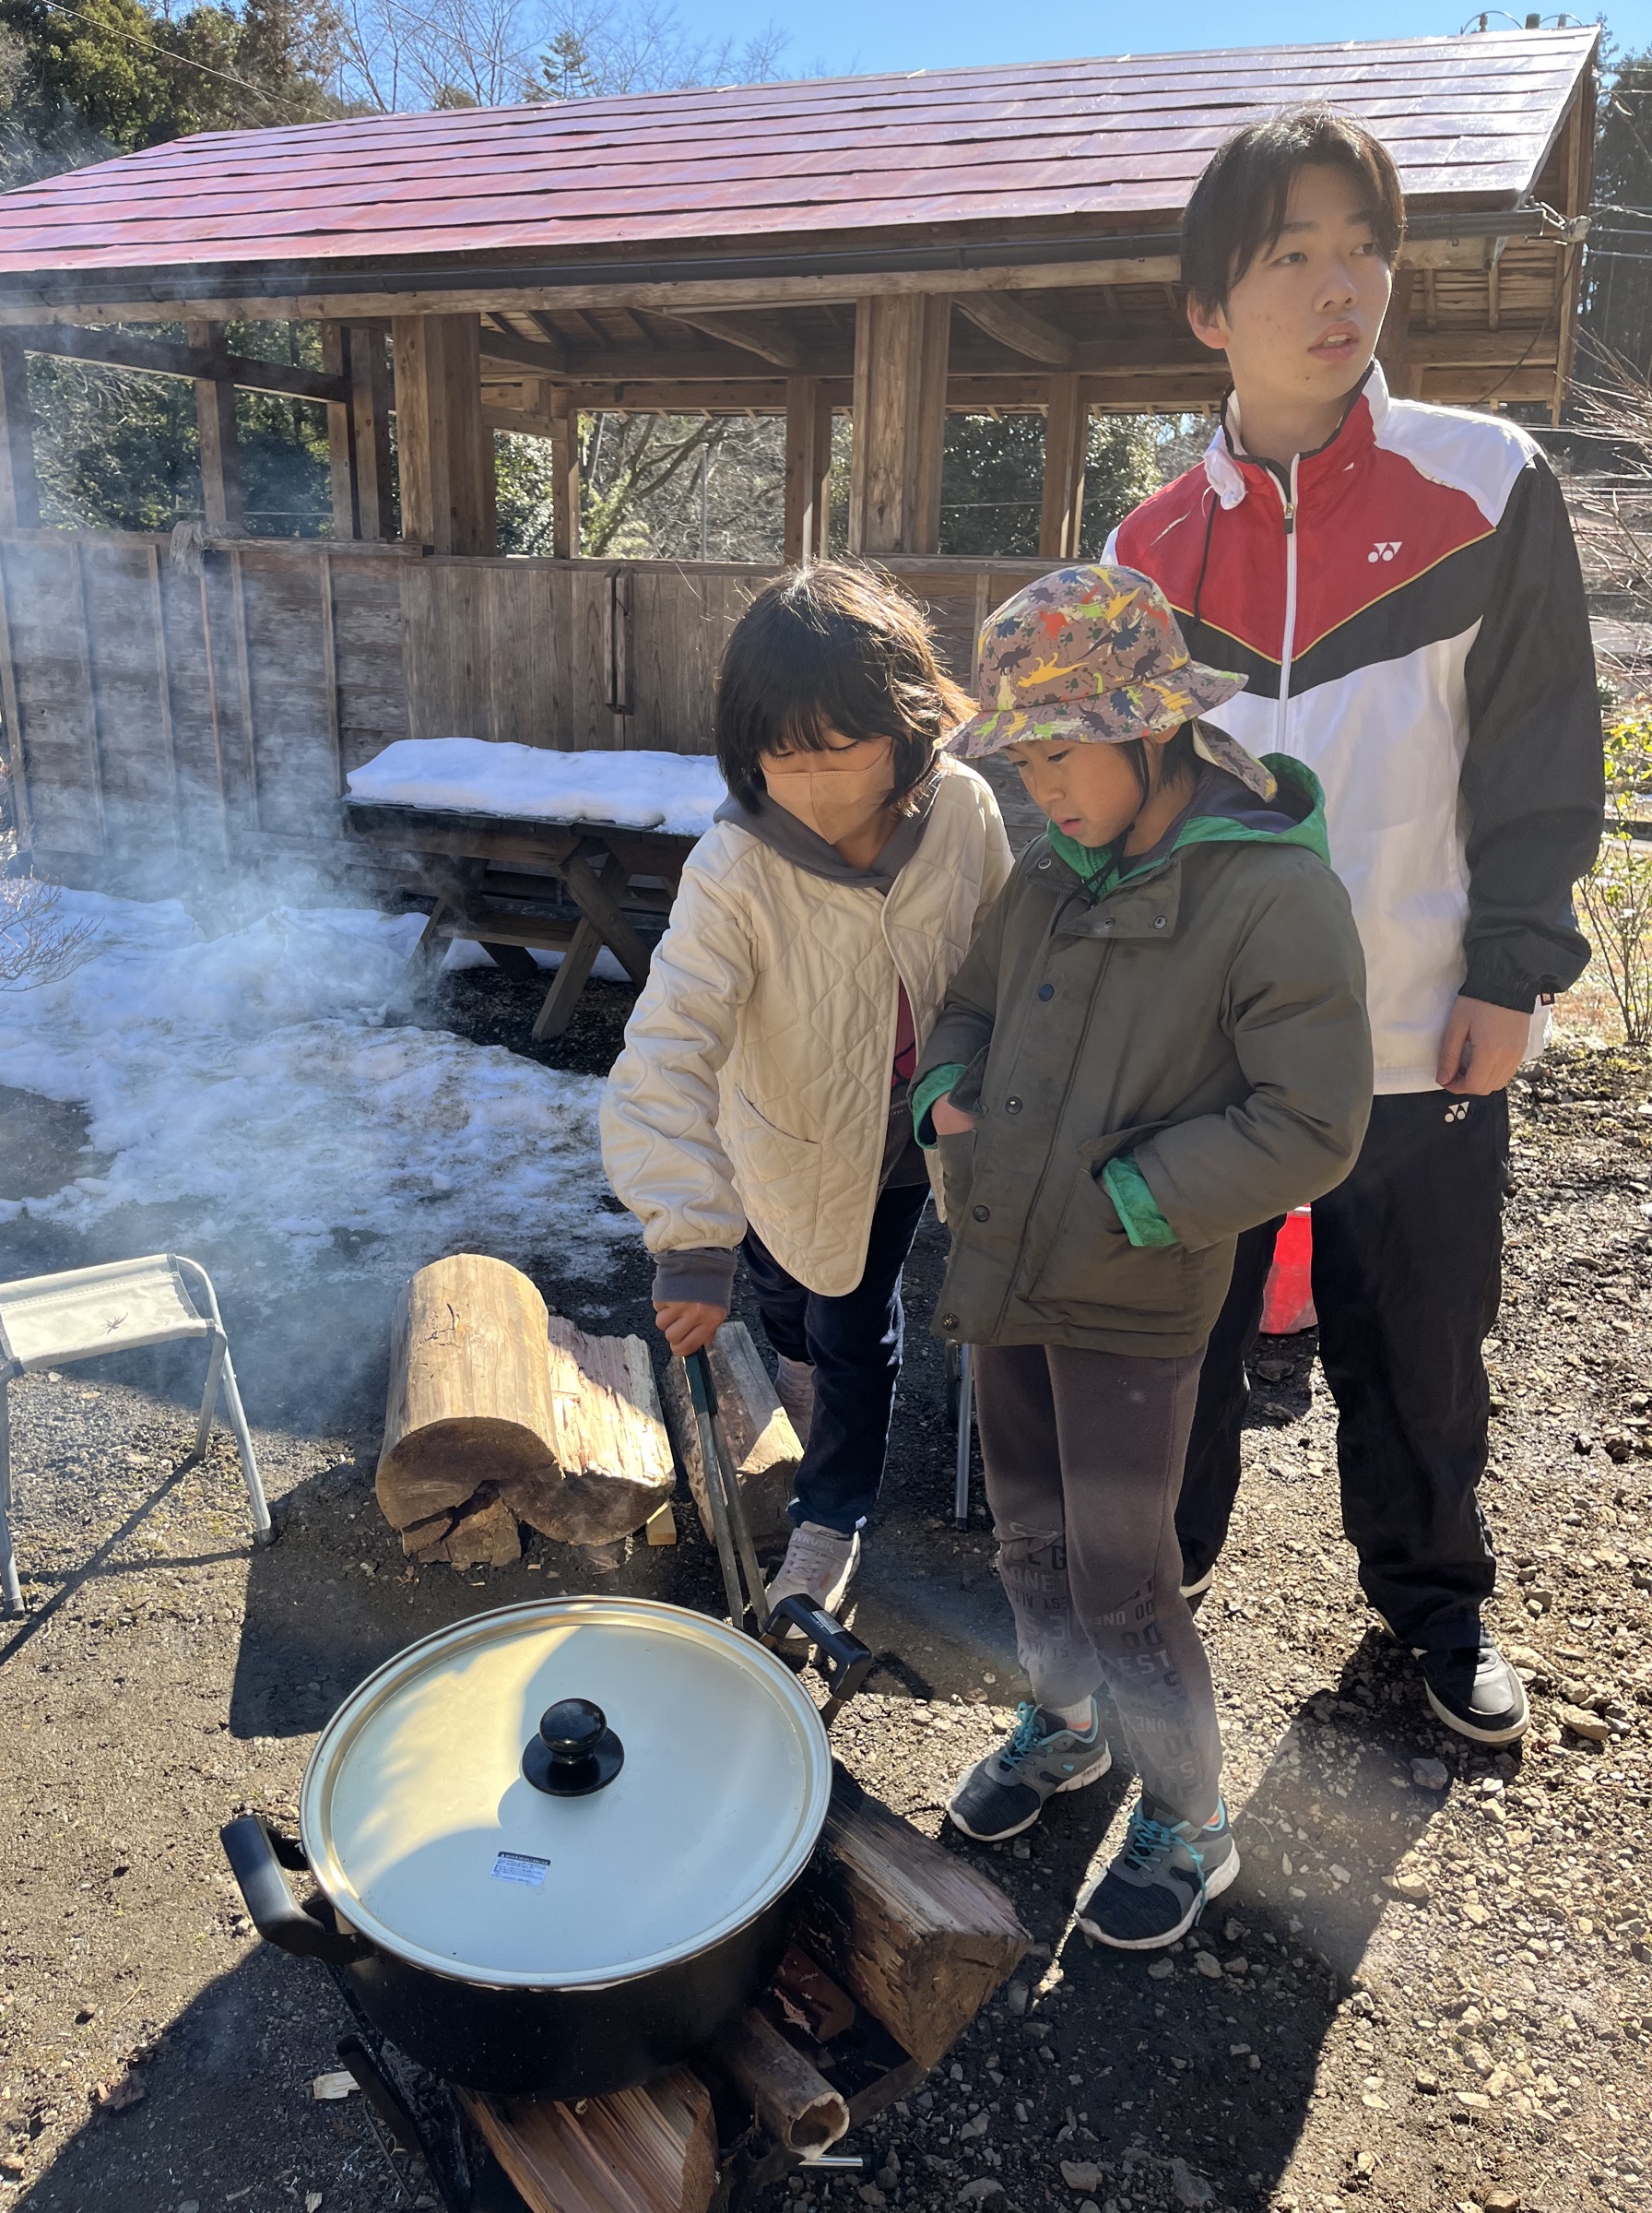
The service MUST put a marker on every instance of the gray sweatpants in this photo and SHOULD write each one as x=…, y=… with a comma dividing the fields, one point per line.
x=1083, y=1455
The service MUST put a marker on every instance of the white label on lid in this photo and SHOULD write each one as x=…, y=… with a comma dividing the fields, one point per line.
x=518, y=1867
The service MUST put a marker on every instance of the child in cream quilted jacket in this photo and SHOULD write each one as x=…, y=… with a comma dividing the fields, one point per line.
x=760, y=1106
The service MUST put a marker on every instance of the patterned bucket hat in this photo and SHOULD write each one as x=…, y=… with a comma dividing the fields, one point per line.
x=1094, y=654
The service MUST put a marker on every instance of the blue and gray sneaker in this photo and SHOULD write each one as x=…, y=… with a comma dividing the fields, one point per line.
x=1005, y=1793
x=1157, y=1887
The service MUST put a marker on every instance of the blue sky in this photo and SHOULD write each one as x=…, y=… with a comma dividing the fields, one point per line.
x=865, y=35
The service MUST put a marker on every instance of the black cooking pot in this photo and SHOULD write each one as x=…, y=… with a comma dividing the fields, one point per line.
x=555, y=1844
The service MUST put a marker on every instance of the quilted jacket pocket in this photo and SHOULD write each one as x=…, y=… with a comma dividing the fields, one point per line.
x=768, y=1159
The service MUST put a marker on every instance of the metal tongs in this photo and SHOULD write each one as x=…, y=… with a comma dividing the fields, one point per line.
x=841, y=1660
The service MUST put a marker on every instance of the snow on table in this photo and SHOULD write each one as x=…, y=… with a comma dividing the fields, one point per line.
x=675, y=792
x=247, y=1084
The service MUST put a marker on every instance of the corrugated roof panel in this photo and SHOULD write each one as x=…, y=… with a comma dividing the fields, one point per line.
x=1123, y=139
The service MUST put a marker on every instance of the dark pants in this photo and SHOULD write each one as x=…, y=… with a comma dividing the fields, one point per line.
x=854, y=1344
x=1407, y=1264
x=1082, y=1453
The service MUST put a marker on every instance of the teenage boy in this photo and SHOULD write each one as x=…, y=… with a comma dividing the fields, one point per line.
x=1398, y=585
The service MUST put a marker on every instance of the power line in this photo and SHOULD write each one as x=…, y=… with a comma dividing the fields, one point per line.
x=183, y=60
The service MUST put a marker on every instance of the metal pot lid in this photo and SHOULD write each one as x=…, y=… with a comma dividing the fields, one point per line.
x=444, y=1826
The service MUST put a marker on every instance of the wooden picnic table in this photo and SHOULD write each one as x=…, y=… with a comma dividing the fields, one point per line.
x=514, y=883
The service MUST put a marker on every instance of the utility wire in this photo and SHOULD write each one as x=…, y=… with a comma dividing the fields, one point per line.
x=165, y=52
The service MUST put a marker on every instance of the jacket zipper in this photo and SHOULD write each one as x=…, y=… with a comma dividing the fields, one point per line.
x=1288, y=504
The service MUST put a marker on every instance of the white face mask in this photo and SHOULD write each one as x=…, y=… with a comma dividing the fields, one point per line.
x=835, y=803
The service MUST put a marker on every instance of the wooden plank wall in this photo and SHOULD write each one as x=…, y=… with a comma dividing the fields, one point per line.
x=174, y=722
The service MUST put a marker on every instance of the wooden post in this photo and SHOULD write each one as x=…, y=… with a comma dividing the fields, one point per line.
x=807, y=469
x=359, y=432
x=1066, y=452
x=446, y=453
x=899, y=422
x=1394, y=340
x=564, y=468
x=221, y=448
x=19, y=488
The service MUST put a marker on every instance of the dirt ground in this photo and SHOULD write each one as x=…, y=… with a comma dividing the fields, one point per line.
x=1430, y=1991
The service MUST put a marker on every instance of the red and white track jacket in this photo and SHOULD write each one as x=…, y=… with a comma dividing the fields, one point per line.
x=1407, y=608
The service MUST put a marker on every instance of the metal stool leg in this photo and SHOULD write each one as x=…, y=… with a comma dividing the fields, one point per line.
x=11, y=1591
x=262, y=1531
x=966, y=1409
x=215, y=1365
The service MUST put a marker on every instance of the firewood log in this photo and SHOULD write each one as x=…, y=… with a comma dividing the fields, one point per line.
x=648, y=2150
x=470, y=1394
x=792, y=2098
x=762, y=1441
x=607, y=1442
x=908, y=1928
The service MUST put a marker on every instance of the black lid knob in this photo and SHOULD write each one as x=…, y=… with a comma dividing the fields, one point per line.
x=575, y=1751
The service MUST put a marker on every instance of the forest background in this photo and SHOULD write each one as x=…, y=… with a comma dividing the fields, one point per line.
x=81, y=81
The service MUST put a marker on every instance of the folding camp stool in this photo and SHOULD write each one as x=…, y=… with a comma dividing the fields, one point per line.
x=48, y=1321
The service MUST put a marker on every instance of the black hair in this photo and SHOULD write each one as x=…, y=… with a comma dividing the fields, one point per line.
x=1178, y=755
x=827, y=648
x=1237, y=209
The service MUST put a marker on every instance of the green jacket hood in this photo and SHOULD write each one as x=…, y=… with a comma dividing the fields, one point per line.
x=1221, y=813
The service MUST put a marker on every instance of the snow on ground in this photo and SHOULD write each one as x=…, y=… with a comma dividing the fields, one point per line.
x=247, y=1084
x=678, y=792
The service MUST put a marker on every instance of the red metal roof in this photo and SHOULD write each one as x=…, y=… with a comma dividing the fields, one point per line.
x=1469, y=121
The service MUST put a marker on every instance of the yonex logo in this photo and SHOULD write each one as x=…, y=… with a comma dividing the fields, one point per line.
x=1384, y=548
x=1458, y=1113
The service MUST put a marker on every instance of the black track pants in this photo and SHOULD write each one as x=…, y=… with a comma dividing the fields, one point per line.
x=1408, y=1261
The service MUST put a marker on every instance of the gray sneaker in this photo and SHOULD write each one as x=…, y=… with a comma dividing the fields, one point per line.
x=1159, y=1884
x=1005, y=1791
x=818, y=1563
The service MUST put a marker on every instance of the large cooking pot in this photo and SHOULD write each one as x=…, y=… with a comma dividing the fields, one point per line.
x=557, y=1841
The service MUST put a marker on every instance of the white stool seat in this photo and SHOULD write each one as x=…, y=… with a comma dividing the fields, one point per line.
x=44, y=1319
x=120, y=1306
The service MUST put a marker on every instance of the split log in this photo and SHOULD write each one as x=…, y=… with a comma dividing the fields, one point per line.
x=910, y=1930
x=470, y=1400
x=485, y=1536
x=808, y=1997
x=648, y=2150
x=493, y=1400
x=609, y=1446
x=762, y=1441
x=793, y=2100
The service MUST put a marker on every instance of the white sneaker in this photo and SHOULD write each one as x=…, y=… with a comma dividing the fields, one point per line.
x=819, y=1564
x=795, y=1388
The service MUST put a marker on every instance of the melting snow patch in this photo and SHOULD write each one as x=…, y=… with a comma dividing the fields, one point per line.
x=247, y=1083
x=678, y=792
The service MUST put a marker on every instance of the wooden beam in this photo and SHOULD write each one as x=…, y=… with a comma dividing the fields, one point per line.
x=1066, y=452
x=20, y=487
x=153, y=356
x=341, y=435
x=369, y=406
x=1019, y=328
x=564, y=497
x=221, y=448
x=548, y=332
x=807, y=467
x=446, y=456
x=1481, y=349
x=613, y=364
x=762, y=339
x=899, y=422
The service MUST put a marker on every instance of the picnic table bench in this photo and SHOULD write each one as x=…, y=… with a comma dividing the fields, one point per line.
x=516, y=883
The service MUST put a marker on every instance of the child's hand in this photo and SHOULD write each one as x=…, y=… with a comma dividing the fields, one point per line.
x=950, y=1121
x=688, y=1324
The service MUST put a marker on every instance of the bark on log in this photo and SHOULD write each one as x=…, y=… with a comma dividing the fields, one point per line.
x=607, y=1442
x=469, y=1400
x=911, y=1931
x=648, y=2150
x=792, y=2098
x=761, y=1437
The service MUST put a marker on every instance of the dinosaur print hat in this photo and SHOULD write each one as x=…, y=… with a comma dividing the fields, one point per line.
x=1093, y=655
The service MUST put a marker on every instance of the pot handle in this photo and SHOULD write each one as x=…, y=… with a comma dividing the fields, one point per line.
x=841, y=1660
x=276, y=1914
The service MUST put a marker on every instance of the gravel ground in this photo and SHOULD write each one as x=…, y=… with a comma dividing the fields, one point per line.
x=1429, y=1990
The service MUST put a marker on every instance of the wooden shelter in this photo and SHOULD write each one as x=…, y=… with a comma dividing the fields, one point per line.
x=888, y=248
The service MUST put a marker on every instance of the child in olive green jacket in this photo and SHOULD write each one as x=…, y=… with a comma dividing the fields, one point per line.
x=1159, y=1040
